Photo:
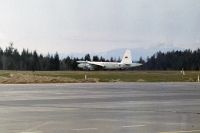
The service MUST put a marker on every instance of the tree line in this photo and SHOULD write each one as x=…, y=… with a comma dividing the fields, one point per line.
x=173, y=60
x=12, y=59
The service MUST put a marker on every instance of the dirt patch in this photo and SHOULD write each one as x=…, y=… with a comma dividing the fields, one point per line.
x=19, y=78
x=140, y=80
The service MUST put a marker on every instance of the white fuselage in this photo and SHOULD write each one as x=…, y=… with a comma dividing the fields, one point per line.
x=117, y=65
x=107, y=65
x=112, y=65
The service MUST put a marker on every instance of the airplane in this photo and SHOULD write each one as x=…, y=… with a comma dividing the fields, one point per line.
x=126, y=63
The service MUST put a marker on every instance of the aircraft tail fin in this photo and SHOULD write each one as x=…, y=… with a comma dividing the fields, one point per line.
x=127, y=58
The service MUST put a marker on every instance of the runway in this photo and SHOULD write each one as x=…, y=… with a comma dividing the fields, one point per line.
x=100, y=108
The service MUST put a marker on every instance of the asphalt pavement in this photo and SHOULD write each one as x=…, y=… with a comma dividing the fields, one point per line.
x=100, y=108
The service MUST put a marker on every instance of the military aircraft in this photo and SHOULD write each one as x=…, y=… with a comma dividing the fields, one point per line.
x=124, y=64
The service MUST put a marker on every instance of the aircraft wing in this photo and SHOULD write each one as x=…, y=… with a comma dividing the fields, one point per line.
x=96, y=63
x=82, y=61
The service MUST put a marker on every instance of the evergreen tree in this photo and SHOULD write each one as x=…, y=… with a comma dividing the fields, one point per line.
x=35, y=62
x=56, y=62
x=95, y=58
x=87, y=57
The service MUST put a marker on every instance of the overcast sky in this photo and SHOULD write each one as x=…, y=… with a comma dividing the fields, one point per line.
x=70, y=26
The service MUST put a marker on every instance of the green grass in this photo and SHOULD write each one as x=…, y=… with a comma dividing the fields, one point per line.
x=96, y=76
x=4, y=74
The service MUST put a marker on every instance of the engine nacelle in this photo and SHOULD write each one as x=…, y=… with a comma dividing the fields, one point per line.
x=85, y=66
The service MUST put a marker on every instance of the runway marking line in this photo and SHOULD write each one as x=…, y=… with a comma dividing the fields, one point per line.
x=130, y=126
x=31, y=130
x=104, y=120
x=84, y=129
x=191, y=131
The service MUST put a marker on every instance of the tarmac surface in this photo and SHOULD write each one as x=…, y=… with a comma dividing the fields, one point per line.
x=100, y=108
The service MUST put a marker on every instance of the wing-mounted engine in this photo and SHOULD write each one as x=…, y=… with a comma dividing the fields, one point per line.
x=86, y=66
